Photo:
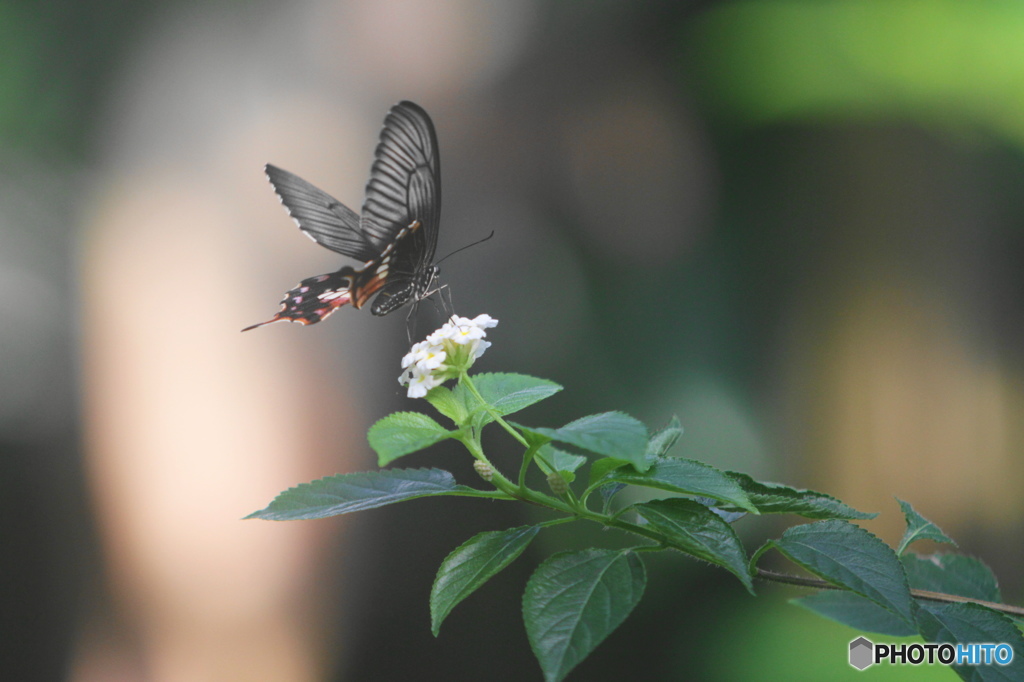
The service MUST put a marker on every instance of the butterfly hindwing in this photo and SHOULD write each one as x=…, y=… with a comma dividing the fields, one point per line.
x=315, y=298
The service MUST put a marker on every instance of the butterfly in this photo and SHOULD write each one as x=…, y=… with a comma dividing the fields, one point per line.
x=395, y=237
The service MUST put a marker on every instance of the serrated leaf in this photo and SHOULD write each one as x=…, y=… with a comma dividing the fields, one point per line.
x=346, y=493
x=574, y=600
x=561, y=460
x=445, y=402
x=919, y=528
x=727, y=516
x=850, y=557
x=693, y=528
x=688, y=476
x=662, y=440
x=970, y=624
x=612, y=434
x=402, y=433
x=471, y=565
x=956, y=574
x=507, y=393
x=856, y=611
x=775, y=498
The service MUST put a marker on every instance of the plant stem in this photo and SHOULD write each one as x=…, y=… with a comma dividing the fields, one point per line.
x=464, y=378
x=527, y=458
x=785, y=578
x=506, y=486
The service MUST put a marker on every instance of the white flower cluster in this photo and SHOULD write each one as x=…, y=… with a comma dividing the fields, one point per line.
x=451, y=349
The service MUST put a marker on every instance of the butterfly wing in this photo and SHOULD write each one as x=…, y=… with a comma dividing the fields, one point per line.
x=315, y=298
x=320, y=216
x=405, y=182
x=403, y=204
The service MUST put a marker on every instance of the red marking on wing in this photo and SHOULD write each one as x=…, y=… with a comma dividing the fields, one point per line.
x=314, y=299
x=364, y=290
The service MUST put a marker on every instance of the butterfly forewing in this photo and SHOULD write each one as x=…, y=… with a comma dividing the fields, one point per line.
x=405, y=180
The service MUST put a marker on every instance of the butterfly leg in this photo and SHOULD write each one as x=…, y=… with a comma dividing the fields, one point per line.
x=450, y=306
x=411, y=317
x=447, y=305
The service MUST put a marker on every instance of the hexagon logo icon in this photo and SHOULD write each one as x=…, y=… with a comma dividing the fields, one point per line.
x=861, y=653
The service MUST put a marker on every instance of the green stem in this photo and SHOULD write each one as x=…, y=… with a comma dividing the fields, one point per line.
x=785, y=578
x=464, y=378
x=527, y=458
x=523, y=491
x=579, y=512
x=499, y=481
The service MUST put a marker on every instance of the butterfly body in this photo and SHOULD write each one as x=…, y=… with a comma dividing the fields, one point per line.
x=395, y=237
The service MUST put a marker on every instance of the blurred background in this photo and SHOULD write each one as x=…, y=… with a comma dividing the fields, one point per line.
x=796, y=225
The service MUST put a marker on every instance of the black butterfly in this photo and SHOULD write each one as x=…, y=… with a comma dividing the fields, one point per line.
x=395, y=237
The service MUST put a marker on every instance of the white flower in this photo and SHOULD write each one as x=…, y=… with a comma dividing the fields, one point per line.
x=426, y=358
x=479, y=347
x=414, y=353
x=419, y=383
x=467, y=333
x=445, y=353
x=484, y=320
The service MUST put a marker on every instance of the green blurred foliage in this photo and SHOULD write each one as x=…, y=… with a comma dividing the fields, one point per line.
x=57, y=59
x=935, y=62
x=777, y=641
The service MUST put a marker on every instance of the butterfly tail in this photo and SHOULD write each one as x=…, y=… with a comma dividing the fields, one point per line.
x=315, y=298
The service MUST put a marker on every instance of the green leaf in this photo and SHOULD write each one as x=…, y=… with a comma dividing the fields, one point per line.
x=727, y=516
x=855, y=611
x=774, y=498
x=687, y=476
x=969, y=624
x=693, y=528
x=662, y=441
x=445, y=402
x=852, y=558
x=471, y=565
x=506, y=393
x=533, y=438
x=401, y=433
x=612, y=434
x=346, y=493
x=956, y=574
x=602, y=467
x=919, y=528
x=560, y=459
x=576, y=599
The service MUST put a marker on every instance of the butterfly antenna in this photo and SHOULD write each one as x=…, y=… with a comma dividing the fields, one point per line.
x=481, y=241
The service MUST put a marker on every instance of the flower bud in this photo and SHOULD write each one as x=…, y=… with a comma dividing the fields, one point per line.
x=485, y=470
x=558, y=485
